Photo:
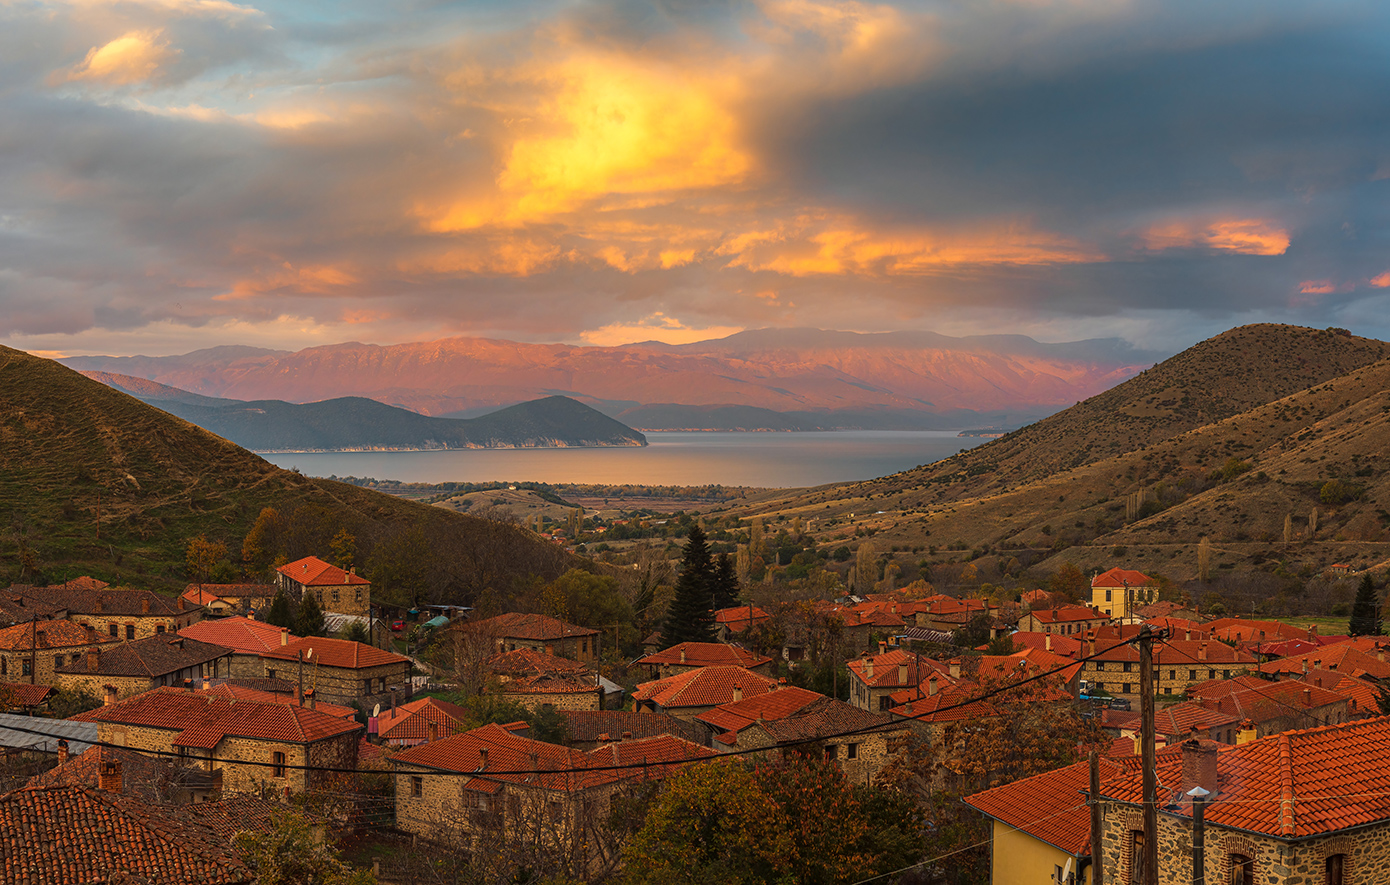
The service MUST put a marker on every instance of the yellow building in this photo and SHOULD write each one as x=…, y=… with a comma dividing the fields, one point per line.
x=1120, y=591
x=1041, y=826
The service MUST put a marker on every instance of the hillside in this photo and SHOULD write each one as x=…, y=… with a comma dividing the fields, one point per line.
x=832, y=379
x=1233, y=480
x=94, y=481
x=357, y=423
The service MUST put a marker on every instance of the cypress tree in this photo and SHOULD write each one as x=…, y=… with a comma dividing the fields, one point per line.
x=279, y=614
x=690, y=618
x=725, y=582
x=309, y=621
x=1365, y=611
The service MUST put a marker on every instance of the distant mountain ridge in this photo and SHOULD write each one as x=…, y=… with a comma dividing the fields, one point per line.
x=797, y=378
x=361, y=424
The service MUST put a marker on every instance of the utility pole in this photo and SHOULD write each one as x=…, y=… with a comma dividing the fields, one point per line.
x=1150, y=755
x=1097, y=852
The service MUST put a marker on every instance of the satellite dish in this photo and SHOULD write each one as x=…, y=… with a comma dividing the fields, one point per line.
x=376, y=711
x=1066, y=873
x=308, y=654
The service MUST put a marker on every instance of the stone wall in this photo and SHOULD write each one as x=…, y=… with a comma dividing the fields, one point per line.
x=14, y=664
x=341, y=685
x=560, y=700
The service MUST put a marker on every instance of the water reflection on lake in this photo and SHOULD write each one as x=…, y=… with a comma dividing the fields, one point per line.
x=774, y=460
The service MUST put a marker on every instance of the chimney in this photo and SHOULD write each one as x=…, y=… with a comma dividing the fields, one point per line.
x=1202, y=652
x=62, y=752
x=955, y=668
x=284, y=636
x=433, y=728
x=1305, y=666
x=902, y=672
x=868, y=668
x=627, y=735
x=1380, y=653
x=1199, y=765
x=738, y=693
x=1307, y=697
x=207, y=683
x=110, y=777
x=91, y=633
x=482, y=752
x=97, y=606
x=549, y=649
x=181, y=603
x=1187, y=634
x=931, y=685
x=144, y=605
x=309, y=698
x=682, y=654
x=110, y=696
x=1047, y=642
x=882, y=647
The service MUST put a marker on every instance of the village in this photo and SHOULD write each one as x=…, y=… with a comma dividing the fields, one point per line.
x=177, y=723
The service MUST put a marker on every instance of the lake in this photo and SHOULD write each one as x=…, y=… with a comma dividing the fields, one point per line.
x=768, y=460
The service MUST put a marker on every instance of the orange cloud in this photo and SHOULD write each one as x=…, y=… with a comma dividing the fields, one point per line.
x=134, y=57
x=1381, y=281
x=1245, y=236
x=655, y=327
x=321, y=279
x=1317, y=287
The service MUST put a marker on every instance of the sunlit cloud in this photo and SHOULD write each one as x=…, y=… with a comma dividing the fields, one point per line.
x=1381, y=280
x=656, y=327
x=1317, y=287
x=1245, y=236
x=134, y=57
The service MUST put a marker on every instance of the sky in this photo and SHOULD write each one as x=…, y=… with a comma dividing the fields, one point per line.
x=179, y=174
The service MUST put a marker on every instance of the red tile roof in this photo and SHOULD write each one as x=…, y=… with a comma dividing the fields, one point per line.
x=1180, y=652
x=1175, y=721
x=1260, y=700
x=1343, y=658
x=334, y=653
x=1242, y=630
x=953, y=703
x=737, y=715
x=244, y=693
x=148, y=658
x=80, y=835
x=22, y=694
x=1068, y=613
x=1067, y=646
x=410, y=723
x=242, y=635
x=603, y=725
x=706, y=687
x=510, y=759
x=85, y=582
x=226, y=591
x=705, y=654
x=1025, y=663
x=1049, y=807
x=535, y=628
x=523, y=661
x=659, y=756
x=1363, y=693
x=48, y=634
x=886, y=669
x=737, y=619
x=826, y=717
x=550, y=683
x=1120, y=577
x=178, y=710
x=1293, y=785
x=314, y=572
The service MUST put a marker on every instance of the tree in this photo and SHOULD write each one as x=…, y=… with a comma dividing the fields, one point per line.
x=1068, y=579
x=690, y=618
x=308, y=621
x=343, y=548
x=293, y=853
x=263, y=542
x=202, y=556
x=796, y=822
x=1365, y=610
x=356, y=632
x=279, y=613
x=726, y=584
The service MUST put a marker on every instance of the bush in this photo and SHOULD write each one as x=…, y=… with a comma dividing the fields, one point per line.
x=1336, y=492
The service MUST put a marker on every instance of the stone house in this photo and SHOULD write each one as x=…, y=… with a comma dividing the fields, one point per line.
x=32, y=652
x=227, y=599
x=1177, y=665
x=513, y=630
x=589, y=729
x=689, y=656
x=492, y=790
x=118, y=613
x=1120, y=593
x=258, y=746
x=1342, y=658
x=1066, y=620
x=794, y=720
x=417, y=722
x=555, y=690
x=338, y=670
x=874, y=678
x=335, y=590
x=687, y=695
x=731, y=621
x=1176, y=723
x=51, y=834
x=246, y=637
x=129, y=668
x=1275, y=814
x=1267, y=707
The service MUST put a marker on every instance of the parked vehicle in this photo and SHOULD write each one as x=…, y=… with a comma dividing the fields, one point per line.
x=397, y=626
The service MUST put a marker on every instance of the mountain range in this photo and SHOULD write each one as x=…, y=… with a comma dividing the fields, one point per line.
x=356, y=423
x=1271, y=442
x=782, y=379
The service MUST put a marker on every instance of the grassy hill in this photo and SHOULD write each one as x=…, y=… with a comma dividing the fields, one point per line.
x=1211, y=444
x=95, y=481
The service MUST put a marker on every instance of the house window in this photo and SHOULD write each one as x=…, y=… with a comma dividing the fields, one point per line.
x=335, y=595
x=381, y=684
x=1191, y=675
x=1129, y=688
x=832, y=752
x=1136, y=858
x=1100, y=666
x=76, y=656
x=417, y=786
x=1334, y=868
x=4, y=666
x=357, y=594
x=1242, y=870
x=129, y=631
x=158, y=628
x=883, y=703
x=1172, y=674
x=367, y=686
x=851, y=751
x=278, y=764
x=1228, y=674
x=1211, y=674
x=114, y=630
x=57, y=660
x=27, y=668
x=270, y=674
x=1128, y=666
x=1108, y=597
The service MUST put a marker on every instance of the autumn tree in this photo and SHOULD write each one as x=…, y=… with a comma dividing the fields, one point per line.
x=343, y=548
x=1365, y=610
x=795, y=822
x=263, y=542
x=293, y=852
x=690, y=618
x=1069, y=580
x=203, y=556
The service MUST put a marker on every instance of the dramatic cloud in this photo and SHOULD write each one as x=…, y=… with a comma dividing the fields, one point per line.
x=182, y=173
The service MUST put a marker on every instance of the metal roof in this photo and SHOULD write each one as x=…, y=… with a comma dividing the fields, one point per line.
x=18, y=732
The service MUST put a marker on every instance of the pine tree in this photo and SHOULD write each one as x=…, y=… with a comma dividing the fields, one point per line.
x=725, y=582
x=279, y=614
x=309, y=620
x=690, y=618
x=1365, y=611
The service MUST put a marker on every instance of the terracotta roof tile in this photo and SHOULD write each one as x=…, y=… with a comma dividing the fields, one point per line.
x=705, y=654
x=1120, y=577
x=242, y=635
x=1242, y=630
x=23, y=694
x=1068, y=614
x=410, y=723
x=100, y=601
x=1261, y=700
x=314, y=572
x=510, y=759
x=740, y=617
x=178, y=710
x=1049, y=807
x=825, y=717
x=81, y=835
x=886, y=669
x=1294, y=784
x=1066, y=646
x=549, y=683
x=523, y=661
x=737, y=715
x=706, y=687
x=246, y=693
x=1343, y=658
x=48, y=634
x=659, y=755
x=151, y=657
x=535, y=628
x=335, y=653
x=1176, y=720
x=590, y=725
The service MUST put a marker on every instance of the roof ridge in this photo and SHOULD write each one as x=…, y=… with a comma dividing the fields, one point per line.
x=1286, y=796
